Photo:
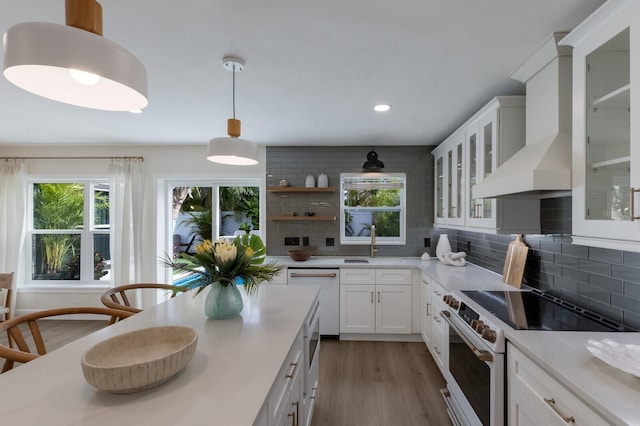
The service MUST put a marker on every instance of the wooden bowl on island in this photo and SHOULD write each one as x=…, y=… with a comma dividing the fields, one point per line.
x=300, y=255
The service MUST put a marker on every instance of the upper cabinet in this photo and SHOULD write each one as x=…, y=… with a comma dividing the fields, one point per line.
x=606, y=148
x=470, y=154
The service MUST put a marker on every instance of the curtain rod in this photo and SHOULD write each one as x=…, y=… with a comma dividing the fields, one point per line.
x=73, y=158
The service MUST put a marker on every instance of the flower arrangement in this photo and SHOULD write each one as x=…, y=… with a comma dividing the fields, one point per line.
x=227, y=262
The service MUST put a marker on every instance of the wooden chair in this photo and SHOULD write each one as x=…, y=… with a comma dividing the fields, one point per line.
x=26, y=335
x=117, y=298
x=6, y=286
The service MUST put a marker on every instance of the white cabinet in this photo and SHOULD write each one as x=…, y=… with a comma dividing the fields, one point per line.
x=375, y=301
x=450, y=193
x=606, y=144
x=471, y=153
x=535, y=398
x=426, y=310
x=439, y=329
x=284, y=404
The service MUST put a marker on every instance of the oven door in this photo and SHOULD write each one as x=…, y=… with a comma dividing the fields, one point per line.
x=475, y=376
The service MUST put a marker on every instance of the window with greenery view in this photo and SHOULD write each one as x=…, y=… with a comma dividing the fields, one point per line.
x=69, y=232
x=372, y=199
x=218, y=210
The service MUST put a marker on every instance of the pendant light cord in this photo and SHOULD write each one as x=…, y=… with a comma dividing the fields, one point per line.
x=234, y=91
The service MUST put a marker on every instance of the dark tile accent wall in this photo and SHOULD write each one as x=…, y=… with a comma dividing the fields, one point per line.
x=295, y=163
x=604, y=281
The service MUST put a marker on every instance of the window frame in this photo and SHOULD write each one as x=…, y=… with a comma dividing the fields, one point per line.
x=402, y=209
x=87, y=233
x=165, y=199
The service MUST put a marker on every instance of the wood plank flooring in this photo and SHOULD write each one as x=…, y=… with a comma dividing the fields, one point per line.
x=378, y=384
x=361, y=383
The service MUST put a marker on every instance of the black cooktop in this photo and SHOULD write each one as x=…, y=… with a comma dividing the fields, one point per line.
x=534, y=310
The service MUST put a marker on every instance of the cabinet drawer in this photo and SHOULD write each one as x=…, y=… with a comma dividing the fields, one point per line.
x=544, y=394
x=279, y=394
x=393, y=276
x=357, y=276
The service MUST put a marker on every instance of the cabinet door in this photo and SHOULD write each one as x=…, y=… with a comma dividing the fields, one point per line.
x=455, y=181
x=393, y=309
x=606, y=151
x=357, y=308
x=481, y=151
x=426, y=310
x=440, y=189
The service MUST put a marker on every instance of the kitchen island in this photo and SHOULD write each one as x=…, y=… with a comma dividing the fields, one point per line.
x=227, y=382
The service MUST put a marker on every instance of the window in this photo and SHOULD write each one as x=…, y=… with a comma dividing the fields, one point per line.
x=69, y=232
x=213, y=210
x=372, y=199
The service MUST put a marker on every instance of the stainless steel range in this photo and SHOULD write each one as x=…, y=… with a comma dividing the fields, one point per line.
x=475, y=392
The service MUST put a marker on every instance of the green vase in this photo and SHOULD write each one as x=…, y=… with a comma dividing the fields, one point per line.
x=222, y=302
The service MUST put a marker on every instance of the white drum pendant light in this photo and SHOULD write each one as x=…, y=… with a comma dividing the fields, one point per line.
x=73, y=63
x=232, y=150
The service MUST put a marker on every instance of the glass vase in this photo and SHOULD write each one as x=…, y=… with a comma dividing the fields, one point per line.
x=222, y=302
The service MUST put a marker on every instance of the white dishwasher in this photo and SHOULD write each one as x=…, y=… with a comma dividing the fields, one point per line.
x=329, y=281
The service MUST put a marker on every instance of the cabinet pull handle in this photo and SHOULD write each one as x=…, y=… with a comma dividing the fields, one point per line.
x=293, y=418
x=436, y=350
x=552, y=403
x=633, y=207
x=297, y=413
x=293, y=369
x=314, y=391
x=371, y=297
x=436, y=319
x=378, y=297
x=428, y=304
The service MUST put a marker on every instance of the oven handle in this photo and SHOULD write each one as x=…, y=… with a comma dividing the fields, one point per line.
x=299, y=275
x=480, y=354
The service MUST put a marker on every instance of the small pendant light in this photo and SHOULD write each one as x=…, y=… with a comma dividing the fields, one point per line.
x=232, y=150
x=373, y=164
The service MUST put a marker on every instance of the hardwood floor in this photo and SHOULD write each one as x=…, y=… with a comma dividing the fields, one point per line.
x=57, y=333
x=378, y=384
x=361, y=383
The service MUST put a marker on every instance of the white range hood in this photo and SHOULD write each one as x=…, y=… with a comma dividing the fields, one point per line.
x=543, y=167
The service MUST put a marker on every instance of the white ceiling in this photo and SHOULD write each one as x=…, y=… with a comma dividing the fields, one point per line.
x=314, y=68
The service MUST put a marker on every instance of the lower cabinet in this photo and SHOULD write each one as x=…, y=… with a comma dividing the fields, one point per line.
x=284, y=404
x=536, y=398
x=375, y=301
x=439, y=329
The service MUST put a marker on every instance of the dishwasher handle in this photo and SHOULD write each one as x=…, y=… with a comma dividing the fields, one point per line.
x=316, y=275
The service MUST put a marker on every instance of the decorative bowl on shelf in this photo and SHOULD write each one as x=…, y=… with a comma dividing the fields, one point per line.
x=300, y=254
x=618, y=355
x=140, y=359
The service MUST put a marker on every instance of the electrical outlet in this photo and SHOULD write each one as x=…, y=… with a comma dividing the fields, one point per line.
x=305, y=241
x=291, y=241
x=329, y=242
x=427, y=242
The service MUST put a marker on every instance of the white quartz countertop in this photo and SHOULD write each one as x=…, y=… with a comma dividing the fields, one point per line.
x=226, y=383
x=613, y=393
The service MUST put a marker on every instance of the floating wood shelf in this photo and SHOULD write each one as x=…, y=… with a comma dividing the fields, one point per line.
x=316, y=218
x=290, y=189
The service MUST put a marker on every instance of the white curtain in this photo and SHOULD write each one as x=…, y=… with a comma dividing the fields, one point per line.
x=13, y=204
x=126, y=200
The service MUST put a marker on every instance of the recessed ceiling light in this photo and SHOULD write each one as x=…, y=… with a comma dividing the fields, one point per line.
x=382, y=107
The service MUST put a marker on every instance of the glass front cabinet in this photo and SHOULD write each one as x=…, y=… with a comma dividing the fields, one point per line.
x=606, y=148
x=470, y=154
